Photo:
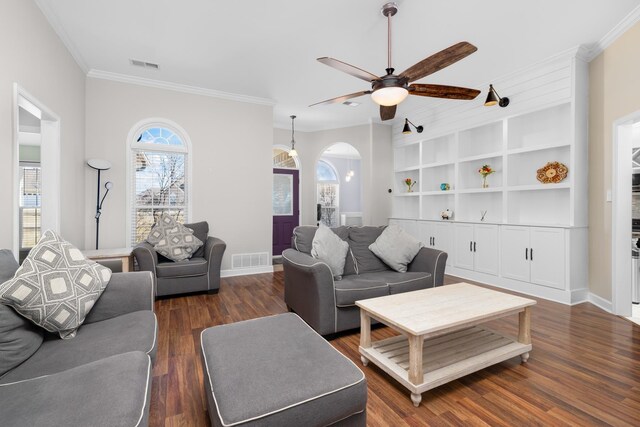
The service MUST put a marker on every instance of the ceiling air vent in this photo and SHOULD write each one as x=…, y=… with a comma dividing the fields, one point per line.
x=144, y=64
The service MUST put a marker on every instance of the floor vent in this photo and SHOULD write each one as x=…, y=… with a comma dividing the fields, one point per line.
x=259, y=259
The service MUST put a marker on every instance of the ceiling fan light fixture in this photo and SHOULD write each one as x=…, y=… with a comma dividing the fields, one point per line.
x=389, y=96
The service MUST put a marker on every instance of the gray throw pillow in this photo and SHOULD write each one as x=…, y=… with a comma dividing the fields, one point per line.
x=396, y=248
x=56, y=286
x=172, y=239
x=331, y=249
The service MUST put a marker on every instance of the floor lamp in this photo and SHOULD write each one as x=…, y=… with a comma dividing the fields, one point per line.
x=100, y=165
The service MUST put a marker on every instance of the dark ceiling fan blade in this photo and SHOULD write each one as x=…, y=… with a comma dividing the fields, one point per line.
x=438, y=61
x=342, y=98
x=349, y=69
x=441, y=91
x=388, y=113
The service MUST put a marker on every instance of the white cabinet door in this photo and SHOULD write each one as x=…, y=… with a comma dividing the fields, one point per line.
x=425, y=233
x=443, y=239
x=463, y=245
x=515, y=252
x=485, y=249
x=547, y=255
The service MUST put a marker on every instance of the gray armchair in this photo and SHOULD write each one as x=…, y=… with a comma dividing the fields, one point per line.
x=199, y=273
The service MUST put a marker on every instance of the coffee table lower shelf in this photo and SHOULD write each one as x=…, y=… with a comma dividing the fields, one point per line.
x=445, y=357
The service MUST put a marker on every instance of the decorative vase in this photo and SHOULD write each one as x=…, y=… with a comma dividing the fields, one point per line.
x=485, y=184
x=409, y=190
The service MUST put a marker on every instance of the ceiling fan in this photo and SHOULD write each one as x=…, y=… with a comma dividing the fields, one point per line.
x=391, y=89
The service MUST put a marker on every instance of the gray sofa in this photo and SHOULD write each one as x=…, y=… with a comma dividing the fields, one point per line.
x=101, y=377
x=201, y=272
x=328, y=305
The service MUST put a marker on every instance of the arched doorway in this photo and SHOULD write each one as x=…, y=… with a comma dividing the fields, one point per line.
x=339, y=186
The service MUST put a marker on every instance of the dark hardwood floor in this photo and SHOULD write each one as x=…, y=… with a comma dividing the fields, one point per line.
x=584, y=368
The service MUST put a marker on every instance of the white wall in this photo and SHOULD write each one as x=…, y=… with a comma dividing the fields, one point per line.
x=231, y=152
x=34, y=57
x=372, y=141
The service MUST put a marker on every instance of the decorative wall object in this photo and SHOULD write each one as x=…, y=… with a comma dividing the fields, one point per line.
x=445, y=186
x=552, y=173
x=410, y=183
x=447, y=214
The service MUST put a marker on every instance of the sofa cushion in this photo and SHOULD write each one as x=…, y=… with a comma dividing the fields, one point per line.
x=201, y=231
x=111, y=392
x=184, y=268
x=19, y=338
x=360, y=238
x=351, y=289
x=396, y=248
x=94, y=341
x=331, y=249
x=56, y=286
x=400, y=282
x=276, y=371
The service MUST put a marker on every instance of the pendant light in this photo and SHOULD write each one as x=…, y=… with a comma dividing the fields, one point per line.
x=293, y=152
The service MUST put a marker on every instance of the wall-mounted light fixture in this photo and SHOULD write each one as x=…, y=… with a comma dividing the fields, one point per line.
x=293, y=152
x=407, y=130
x=100, y=165
x=493, y=98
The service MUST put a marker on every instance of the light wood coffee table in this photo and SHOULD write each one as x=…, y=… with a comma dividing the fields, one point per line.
x=440, y=338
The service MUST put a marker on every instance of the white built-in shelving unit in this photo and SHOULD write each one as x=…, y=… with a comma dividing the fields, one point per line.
x=546, y=121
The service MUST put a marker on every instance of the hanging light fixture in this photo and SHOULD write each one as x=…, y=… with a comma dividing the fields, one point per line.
x=293, y=152
x=493, y=98
x=407, y=130
x=349, y=174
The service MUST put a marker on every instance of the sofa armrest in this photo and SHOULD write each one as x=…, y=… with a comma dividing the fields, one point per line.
x=213, y=252
x=146, y=256
x=431, y=261
x=125, y=293
x=309, y=290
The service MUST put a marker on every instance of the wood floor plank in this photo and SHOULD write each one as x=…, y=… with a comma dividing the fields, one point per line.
x=584, y=367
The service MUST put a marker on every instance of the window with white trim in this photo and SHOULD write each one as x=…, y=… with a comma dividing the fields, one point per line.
x=159, y=184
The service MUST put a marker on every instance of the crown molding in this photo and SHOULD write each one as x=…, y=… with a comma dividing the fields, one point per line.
x=194, y=90
x=623, y=26
x=54, y=22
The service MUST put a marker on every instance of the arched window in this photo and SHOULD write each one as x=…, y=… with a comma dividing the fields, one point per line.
x=282, y=159
x=328, y=193
x=326, y=172
x=158, y=176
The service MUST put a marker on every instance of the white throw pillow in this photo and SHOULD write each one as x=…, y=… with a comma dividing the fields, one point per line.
x=56, y=286
x=396, y=248
x=331, y=249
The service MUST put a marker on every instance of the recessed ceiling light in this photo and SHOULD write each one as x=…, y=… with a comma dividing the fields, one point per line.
x=351, y=103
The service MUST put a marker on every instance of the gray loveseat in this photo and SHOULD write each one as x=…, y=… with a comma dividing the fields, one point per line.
x=101, y=377
x=328, y=305
x=201, y=272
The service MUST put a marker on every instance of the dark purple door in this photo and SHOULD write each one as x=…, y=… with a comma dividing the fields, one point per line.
x=286, y=210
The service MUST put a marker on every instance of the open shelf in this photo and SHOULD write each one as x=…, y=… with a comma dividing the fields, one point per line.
x=432, y=177
x=468, y=176
x=432, y=205
x=406, y=207
x=471, y=206
x=547, y=127
x=550, y=207
x=406, y=157
x=523, y=166
x=439, y=150
x=480, y=140
x=400, y=186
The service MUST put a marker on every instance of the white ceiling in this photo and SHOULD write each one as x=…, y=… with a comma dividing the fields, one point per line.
x=268, y=49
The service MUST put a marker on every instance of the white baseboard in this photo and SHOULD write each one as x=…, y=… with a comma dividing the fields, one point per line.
x=579, y=296
x=246, y=271
x=600, y=302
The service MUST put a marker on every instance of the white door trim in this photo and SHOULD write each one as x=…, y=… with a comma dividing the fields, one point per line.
x=621, y=215
x=50, y=152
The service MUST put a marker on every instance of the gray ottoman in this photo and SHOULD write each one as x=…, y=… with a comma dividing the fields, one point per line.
x=277, y=371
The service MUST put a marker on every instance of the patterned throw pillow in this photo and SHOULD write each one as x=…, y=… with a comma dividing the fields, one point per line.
x=172, y=239
x=56, y=286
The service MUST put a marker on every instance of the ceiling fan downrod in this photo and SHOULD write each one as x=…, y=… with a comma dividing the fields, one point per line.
x=389, y=10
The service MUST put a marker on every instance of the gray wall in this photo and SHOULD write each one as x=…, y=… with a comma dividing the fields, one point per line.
x=34, y=57
x=231, y=172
